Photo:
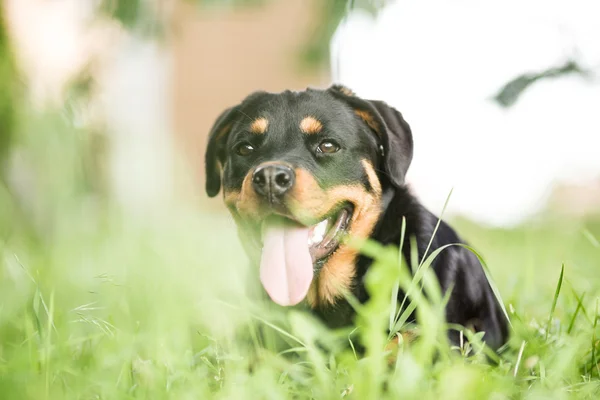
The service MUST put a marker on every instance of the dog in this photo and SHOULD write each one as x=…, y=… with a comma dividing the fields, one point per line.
x=301, y=170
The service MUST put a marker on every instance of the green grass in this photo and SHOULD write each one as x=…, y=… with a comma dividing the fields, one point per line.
x=97, y=303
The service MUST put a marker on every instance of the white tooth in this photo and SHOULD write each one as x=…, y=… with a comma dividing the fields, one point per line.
x=318, y=233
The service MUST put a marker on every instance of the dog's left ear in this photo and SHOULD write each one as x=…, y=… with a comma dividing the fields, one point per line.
x=388, y=124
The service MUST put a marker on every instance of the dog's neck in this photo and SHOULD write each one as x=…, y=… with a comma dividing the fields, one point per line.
x=396, y=203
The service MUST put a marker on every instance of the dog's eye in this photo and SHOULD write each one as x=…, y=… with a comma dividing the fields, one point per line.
x=328, y=146
x=244, y=149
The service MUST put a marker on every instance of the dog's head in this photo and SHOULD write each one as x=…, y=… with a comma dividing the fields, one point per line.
x=299, y=171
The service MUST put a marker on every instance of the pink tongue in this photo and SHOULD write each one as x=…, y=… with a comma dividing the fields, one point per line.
x=286, y=268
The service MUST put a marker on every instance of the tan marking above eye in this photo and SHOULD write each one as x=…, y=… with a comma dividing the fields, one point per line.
x=310, y=125
x=259, y=126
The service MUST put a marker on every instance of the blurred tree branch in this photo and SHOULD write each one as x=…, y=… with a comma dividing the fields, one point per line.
x=510, y=93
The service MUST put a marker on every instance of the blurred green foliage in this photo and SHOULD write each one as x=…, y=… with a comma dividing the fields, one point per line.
x=329, y=16
x=127, y=12
x=139, y=16
x=8, y=87
x=109, y=305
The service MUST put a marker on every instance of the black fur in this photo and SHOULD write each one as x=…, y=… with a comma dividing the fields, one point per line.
x=472, y=298
x=385, y=139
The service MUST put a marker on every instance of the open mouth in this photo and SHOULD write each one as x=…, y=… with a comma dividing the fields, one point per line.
x=324, y=237
x=292, y=253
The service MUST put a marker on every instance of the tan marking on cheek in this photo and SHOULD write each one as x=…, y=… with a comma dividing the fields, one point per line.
x=310, y=202
x=337, y=274
x=245, y=201
x=369, y=120
x=231, y=197
x=311, y=125
x=335, y=278
x=305, y=181
x=306, y=195
x=259, y=126
x=372, y=175
x=249, y=204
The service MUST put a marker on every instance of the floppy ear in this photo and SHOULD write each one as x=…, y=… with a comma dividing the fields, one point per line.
x=390, y=127
x=215, y=151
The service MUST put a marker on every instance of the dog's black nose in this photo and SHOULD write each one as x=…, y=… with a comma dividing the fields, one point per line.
x=273, y=180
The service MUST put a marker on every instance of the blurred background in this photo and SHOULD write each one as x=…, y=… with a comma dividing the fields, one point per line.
x=150, y=77
x=502, y=98
x=112, y=256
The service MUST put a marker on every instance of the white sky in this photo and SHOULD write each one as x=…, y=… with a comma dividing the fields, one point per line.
x=440, y=62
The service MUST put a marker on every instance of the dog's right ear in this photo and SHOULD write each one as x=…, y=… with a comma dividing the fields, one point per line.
x=215, y=151
x=390, y=127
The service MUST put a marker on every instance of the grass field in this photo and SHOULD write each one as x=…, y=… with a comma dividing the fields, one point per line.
x=96, y=303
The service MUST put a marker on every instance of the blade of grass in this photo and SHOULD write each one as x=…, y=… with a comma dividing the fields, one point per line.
x=589, y=236
x=494, y=356
x=414, y=260
x=555, y=300
x=352, y=343
x=293, y=350
x=403, y=318
x=420, y=273
x=488, y=275
x=519, y=358
x=264, y=321
x=353, y=302
x=437, y=225
x=594, y=355
x=48, y=343
x=414, y=252
x=580, y=300
x=278, y=329
x=577, y=309
x=396, y=289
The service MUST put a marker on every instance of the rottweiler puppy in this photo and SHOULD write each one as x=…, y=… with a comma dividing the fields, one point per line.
x=300, y=170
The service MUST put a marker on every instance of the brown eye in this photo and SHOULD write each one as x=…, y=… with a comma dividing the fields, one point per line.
x=244, y=149
x=328, y=147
